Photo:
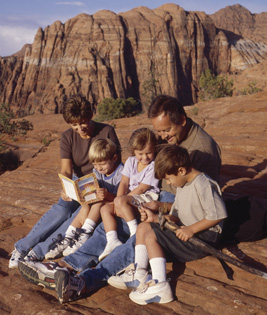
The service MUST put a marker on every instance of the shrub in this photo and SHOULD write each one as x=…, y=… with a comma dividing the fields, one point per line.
x=212, y=86
x=12, y=127
x=251, y=89
x=111, y=108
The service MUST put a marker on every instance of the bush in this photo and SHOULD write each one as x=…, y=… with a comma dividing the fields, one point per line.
x=212, y=86
x=9, y=127
x=251, y=89
x=110, y=108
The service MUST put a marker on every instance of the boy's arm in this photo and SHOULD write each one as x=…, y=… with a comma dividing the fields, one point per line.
x=187, y=232
x=124, y=186
x=103, y=193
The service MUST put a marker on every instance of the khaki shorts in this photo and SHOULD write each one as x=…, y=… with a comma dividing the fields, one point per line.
x=146, y=197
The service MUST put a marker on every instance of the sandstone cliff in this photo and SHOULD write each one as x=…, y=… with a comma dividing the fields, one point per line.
x=114, y=55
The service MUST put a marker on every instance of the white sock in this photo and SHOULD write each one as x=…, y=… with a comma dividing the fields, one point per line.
x=70, y=231
x=141, y=257
x=89, y=225
x=132, y=226
x=112, y=236
x=158, y=267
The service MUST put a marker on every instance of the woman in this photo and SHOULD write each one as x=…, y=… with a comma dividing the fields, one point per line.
x=74, y=146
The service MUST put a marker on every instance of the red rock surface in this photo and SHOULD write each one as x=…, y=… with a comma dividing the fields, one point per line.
x=114, y=55
x=239, y=126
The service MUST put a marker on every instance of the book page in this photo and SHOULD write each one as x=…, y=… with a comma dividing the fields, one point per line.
x=69, y=188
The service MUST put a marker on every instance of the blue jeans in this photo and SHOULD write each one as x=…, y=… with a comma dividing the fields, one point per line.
x=54, y=221
x=87, y=255
x=121, y=257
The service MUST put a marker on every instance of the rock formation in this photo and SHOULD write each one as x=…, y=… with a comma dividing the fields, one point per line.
x=114, y=55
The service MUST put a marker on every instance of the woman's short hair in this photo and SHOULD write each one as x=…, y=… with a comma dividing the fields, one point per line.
x=77, y=109
x=169, y=159
x=169, y=106
x=102, y=150
x=140, y=138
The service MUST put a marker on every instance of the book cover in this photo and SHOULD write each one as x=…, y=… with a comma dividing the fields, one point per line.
x=82, y=189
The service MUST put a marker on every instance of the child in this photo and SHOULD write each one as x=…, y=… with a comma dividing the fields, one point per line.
x=138, y=185
x=103, y=154
x=200, y=209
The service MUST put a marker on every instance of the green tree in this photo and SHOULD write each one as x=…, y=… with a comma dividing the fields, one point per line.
x=110, y=108
x=212, y=86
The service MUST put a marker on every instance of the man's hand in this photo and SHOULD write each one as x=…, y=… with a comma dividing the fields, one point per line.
x=184, y=233
x=64, y=196
x=153, y=205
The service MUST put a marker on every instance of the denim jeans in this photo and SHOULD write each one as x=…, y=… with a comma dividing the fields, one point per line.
x=51, y=223
x=121, y=257
x=87, y=255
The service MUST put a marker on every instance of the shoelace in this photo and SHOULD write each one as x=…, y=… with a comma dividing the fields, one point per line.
x=144, y=286
x=56, y=241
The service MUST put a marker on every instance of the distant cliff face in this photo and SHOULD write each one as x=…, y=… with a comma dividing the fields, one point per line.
x=116, y=55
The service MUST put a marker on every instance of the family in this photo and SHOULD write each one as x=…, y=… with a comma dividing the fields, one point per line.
x=118, y=239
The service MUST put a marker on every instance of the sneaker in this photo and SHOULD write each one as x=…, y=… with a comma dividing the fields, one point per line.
x=126, y=279
x=39, y=273
x=31, y=256
x=68, y=287
x=16, y=256
x=108, y=249
x=152, y=292
x=57, y=247
x=79, y=239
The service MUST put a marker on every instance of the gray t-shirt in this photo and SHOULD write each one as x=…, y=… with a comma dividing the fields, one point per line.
x=111, y=183
x=198, y=200
x=204, y=152
x=73, y=147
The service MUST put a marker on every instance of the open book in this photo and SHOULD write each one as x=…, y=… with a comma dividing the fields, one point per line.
x=82, y=189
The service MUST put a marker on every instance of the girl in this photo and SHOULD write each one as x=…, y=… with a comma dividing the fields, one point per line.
x=138, y=185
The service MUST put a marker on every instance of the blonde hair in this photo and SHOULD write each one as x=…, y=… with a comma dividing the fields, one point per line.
x=102, y=150
x=140, y=138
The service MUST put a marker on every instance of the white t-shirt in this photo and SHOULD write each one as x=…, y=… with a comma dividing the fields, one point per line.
x=198, y=200
x=146, y=176
x=111, y=183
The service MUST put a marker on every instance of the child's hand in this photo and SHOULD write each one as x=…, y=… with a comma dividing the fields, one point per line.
x=64, y=196
x=102, y=193
x=184, y=233
x=147, y=215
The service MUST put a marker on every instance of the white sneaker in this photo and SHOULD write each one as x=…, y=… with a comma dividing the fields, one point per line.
x=128, y=279
x=79, y=239
x=152, y=292
x=14, y=259
x=58, y=246
x=31, y=256
x=109, y=248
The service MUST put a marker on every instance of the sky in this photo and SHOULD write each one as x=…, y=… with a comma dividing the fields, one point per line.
x=20, y=19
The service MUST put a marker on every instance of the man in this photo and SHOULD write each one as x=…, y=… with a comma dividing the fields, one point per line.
x=174, y=127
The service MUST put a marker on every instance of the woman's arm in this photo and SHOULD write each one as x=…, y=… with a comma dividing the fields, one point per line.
x=66, y=168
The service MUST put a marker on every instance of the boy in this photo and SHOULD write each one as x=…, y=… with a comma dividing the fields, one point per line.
x=198, y=207
x=104, y=155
